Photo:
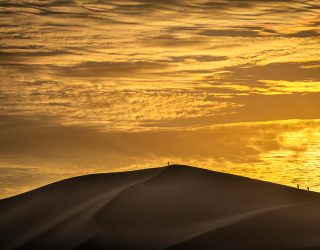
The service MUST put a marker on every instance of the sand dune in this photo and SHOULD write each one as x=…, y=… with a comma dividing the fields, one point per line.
x=176, y=207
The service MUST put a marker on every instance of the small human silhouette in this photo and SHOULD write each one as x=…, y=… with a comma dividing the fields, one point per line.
x=298, y=186
x=308, y=188
x=168, y=163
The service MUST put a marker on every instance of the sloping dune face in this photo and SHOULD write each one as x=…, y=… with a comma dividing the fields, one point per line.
x=175, y=207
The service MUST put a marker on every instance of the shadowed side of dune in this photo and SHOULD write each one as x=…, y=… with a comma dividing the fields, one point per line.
x=283, y=227
x=176, y=207
x=59, y=215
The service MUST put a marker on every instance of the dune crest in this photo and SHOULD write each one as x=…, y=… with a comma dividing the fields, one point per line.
x=174, y=207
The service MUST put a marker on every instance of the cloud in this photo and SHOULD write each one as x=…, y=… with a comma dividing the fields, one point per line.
x=24, y=57
x=171, y=41
x=76, y=58
x=113, y=109
x=306, y=33
x=232, y=33
x=199, y=58
x=257, y=107
x=288, y=71
x=110, y=69
x=279, y=87
x=270, y=79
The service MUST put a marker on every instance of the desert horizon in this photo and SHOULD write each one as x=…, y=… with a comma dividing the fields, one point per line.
x=169, y=164
x=171, y=207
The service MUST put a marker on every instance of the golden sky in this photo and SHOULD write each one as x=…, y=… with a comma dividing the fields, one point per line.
x=92, y=86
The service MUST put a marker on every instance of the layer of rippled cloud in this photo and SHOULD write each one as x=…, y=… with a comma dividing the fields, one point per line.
x=197, y=48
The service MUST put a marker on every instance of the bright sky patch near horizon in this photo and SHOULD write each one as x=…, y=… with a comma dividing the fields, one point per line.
x=102, y=86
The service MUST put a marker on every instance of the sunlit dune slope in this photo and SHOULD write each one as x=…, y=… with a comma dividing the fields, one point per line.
x=175, y=207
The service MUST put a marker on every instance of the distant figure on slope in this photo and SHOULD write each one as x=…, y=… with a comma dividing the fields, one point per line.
x=168, y=163
x=308, y=188
x=298, y=186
